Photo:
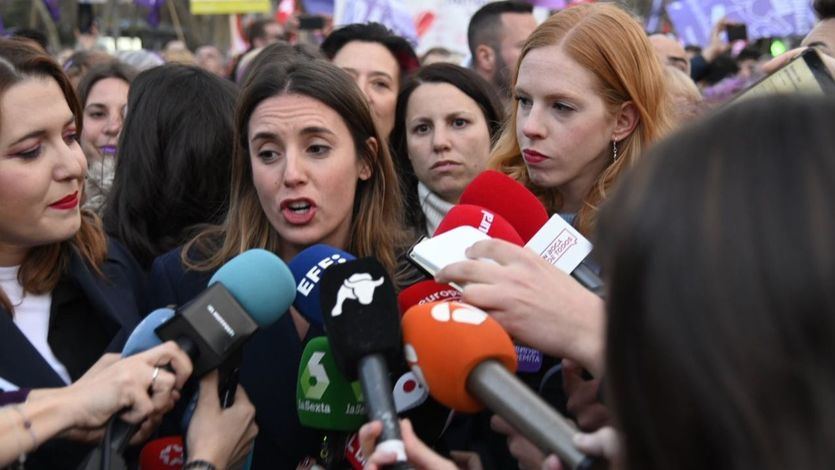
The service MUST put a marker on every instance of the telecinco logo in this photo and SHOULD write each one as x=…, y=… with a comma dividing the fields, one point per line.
x=314, y=379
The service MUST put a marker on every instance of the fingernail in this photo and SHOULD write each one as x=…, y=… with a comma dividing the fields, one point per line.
x=551, y=462
x=580, y=439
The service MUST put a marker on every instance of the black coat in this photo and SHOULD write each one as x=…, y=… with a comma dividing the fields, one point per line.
x=116, y=302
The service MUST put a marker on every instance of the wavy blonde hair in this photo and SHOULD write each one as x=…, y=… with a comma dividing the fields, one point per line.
x=610, y=43
x=376, y=226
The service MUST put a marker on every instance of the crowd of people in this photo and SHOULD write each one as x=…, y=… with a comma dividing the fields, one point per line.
x=128, y=181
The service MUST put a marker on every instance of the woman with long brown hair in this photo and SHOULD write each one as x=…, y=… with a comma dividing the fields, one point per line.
x=68, y=295
x=309, y=167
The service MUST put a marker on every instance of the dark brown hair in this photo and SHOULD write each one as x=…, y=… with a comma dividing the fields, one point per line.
x=721, y=312
x=469, y=83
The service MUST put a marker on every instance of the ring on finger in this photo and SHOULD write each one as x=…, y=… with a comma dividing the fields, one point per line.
x=154, y=376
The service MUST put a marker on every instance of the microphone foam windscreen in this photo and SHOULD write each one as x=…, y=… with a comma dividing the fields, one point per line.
x=485, y=220
x=359, y=307
x=444, y=341
x=260, y=282
x=507, y=197
x=143, y=336
x=166, y=453
x=307, y=268
x=325, y=399
x=424, y=292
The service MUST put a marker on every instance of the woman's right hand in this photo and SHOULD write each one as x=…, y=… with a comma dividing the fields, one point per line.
x=113, y=384
x=536, y=303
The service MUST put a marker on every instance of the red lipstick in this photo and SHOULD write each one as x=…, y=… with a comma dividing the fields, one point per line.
x=66, y=203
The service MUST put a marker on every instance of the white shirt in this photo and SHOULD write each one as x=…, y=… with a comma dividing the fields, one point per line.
x=31, y=316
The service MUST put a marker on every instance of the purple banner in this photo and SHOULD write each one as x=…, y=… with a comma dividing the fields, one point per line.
x=153, y=7
x=694, y=19
x=318, y=7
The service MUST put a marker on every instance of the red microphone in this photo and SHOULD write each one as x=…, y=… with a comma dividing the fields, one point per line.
x=425, y=292
x=166, y=453
x=508, y=198
x=467, y=360
x=484, y=220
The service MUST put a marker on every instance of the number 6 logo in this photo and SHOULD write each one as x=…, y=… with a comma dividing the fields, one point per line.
x=314, y=379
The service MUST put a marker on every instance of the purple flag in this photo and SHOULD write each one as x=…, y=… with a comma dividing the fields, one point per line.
x=153, y=7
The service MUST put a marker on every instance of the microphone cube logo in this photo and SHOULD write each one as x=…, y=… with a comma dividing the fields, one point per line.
x=314, y=380
x=559, y=246
x=359, y=287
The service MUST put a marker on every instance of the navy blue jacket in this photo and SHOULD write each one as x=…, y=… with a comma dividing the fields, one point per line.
x=268, y=373
x=116, y=299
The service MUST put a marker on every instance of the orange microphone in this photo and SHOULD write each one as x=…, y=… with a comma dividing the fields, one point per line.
x=466, y=360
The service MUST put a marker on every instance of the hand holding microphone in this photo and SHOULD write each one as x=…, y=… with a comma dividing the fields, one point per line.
x=363, y=325
x=418, y=453
x=535, y=302
x=134, y=383
x=220, y=436
x=473, y=366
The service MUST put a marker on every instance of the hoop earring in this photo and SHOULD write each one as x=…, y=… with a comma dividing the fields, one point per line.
x=614, y=151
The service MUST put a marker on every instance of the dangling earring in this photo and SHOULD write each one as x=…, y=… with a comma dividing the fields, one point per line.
x=614, y=151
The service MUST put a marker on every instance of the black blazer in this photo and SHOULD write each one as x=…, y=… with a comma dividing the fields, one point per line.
x=117, y=299
x=268, y=374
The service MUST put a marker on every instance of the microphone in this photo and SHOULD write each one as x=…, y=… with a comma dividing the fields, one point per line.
x=166, y=453
x=529, y=359
x=143, y=337
x=359, y=307
x=265, y=299
x=424, y=292
x=565, y=248
x=484, y=220
x=252, y=289
x=474, y=364
x=307, y=268
x=553, y=239
x=325, y=399
x=508, y=198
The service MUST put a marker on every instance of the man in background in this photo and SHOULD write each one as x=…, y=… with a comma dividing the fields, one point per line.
x=496, y=34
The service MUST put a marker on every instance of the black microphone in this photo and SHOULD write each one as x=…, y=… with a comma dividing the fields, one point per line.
x=359, y=308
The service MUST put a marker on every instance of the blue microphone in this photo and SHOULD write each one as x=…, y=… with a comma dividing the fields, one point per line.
x=307, y=268
x=252, y=290
x=143, y=336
